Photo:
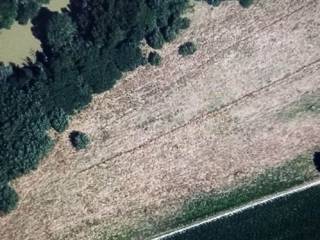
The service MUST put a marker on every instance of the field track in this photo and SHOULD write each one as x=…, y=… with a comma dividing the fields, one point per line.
x=215, y=112
x=250, y=205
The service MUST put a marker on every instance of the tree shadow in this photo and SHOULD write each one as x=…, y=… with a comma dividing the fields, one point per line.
x=39, y=29
x=40, y=23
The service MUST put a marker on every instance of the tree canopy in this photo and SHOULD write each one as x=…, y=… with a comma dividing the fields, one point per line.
x=86, y=48
x=20, y=10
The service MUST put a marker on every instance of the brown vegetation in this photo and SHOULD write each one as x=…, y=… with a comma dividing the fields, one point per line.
x=188, y=126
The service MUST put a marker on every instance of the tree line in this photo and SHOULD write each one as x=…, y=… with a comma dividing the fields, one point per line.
x=85, y=49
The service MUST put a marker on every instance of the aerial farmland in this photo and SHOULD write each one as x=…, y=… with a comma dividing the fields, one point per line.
x=114, y=132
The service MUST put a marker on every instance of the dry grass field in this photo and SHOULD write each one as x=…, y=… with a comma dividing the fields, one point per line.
x=192, y=125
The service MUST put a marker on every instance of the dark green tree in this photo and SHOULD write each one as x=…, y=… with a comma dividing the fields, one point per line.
x=8, y=199
x=187, y=48
x=8, y=13
x=128, y=56
x=169, y=33
x=20, y=10
x=214, y=3
x=60, y=32
x=98, y=69
x=245, y=3
x=155, y=39
x=154, y=58
x=183, y=23
x=58, y=119
x=27, y=10
x=79, y=140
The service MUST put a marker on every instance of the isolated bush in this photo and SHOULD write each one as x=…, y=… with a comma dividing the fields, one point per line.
x=187, y=48
x=214, y=3
x=154, y=58
x=245, y=3
x=79, y=140
x=58, y=119
x=8, y=199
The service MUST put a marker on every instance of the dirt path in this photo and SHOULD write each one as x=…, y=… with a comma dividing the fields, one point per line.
x=189, y=126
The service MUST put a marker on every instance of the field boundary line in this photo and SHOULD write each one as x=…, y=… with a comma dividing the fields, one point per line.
x=205, y=114
x=250, y=205
x=220, y=109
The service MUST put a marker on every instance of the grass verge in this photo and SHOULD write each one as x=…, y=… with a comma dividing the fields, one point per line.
x=294, y=172
x=292, y=217
x=308, y=103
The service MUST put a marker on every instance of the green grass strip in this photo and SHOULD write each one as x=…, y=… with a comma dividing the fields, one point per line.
x=296, y=216
x=273, y=180
x=308, y=103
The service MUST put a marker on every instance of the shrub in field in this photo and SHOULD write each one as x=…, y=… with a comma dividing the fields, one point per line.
x=79, y=140
x=8, y=199
x=187, y=48
x=245, y=3
x=214, y=3
x=154, y=58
